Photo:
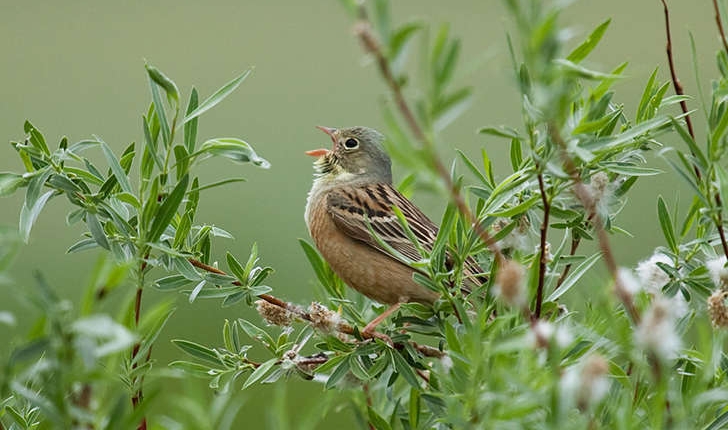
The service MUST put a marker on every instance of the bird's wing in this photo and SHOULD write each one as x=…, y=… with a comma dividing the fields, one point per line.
x=352, y=208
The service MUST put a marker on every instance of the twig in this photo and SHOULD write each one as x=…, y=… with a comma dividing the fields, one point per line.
x=138, y=396
x=341, y=327
x=574, y=245
x=720, y=26
x=364, y=32
x=543, y=260
x=684, y=107
x=673, y=74
x=583, y=194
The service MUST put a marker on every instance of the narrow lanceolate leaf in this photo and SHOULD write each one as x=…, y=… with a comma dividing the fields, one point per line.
x=217, y=184
x=36, y=138
x=216, y=98
x=28, y=215
x=574, y=276
x=198, y=351
x=116, y=168
x=163, y=81
x=9, y=182
x=168, y=209
x=97, y=231
x=589, y=44
x=259, y=372
x=196, y=291
x=190, y=129
x=666, y=224
x=236, y=268
x=234, y=149
x=317, y=263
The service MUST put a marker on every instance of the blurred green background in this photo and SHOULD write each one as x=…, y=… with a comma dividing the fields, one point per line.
x=76, y=68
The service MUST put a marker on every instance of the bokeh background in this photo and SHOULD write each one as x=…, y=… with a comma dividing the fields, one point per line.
x=75, y=68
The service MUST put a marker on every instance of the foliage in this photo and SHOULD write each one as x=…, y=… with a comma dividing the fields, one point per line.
x=540, y=345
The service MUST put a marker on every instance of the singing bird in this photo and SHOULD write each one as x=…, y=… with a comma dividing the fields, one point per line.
x=352, y=190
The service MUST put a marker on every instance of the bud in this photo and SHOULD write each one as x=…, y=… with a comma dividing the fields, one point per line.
x=628, y=282
x=718, y=271
x=509, y=283
x=323, y=318
x=653, y=278
x=650, y=274
x=272, y=314
x=656, y=332
x=586, y=383
x=717, y=308
x=543, y=333
x=516, y=238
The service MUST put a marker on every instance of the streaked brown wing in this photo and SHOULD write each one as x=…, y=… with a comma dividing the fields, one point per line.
x=351, y=207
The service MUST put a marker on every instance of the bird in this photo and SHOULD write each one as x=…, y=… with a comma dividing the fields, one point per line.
x=352, y=194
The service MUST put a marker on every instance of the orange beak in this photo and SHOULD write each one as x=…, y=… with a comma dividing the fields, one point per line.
x=321, y=152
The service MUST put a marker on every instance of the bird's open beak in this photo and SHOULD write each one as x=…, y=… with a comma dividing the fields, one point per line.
x=321, y=152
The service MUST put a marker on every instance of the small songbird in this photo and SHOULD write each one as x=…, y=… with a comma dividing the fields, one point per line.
x=352, y=191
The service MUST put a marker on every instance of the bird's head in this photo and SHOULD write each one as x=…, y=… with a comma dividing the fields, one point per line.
x=357, y=156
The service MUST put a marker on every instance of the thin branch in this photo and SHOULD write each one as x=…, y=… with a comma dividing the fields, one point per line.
x=363, y=31
x=341, y=327
x=574, y=246
x=719, y=22
x=544, y=257
x=675, y=81
x=583, y=194
x=684, y=107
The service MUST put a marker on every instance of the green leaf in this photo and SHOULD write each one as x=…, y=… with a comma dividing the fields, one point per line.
x=97, y=231
x=502, y=131
x=116, y=168
x=317, y=263
x=190, y=127
x=168, y=209
x=195, y=291
x=9, y=182
x=82, y=245
x=260, y=372
x=376, y=420
x=583, y=72
x=234, y=149
x=236, y=268
x=666, y=224
x=36, y=138
x=581, y=51
x=217, y=97
x=573, y=277
x=182, y=160
x=163, y=81
x=631, y=170
x=216, y=184
x=28, y=215
x=172, y=282
x=404, y=369
x=160, y=112
x=198, y=351
x=516, y=154
x=339, y=372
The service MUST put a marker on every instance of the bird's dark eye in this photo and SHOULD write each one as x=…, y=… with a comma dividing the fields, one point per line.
x=351, y=143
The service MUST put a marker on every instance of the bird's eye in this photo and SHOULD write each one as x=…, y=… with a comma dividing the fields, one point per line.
x=351, y=143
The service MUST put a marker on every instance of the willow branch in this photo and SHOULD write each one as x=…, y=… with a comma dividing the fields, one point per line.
x=719, y=22
x=684, y=107
x=363, y=31
x=341, y=326
x=587, y=200
x=544, y=257
x=673, y=74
